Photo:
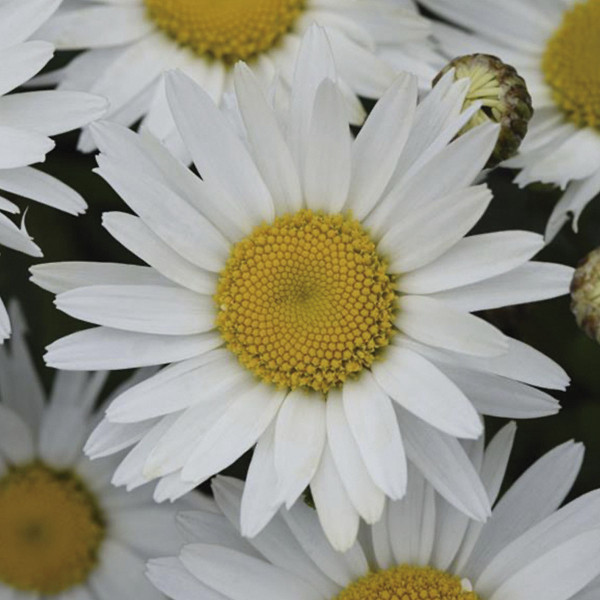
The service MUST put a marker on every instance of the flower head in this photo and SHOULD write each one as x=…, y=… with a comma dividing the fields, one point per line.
x=64, y=530
x=422, y=547
x=313, y=294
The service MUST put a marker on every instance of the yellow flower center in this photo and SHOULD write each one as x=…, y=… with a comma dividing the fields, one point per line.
x=228, y=30
x=50, y=529
x=407, y=583
x=570, y=64
x=306, y=301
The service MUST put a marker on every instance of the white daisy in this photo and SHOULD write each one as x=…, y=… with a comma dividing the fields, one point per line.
x=313, y=294
x=28, y=119
x=555, y=46
x=421, y=549
x=65, y=532
x=129, y=44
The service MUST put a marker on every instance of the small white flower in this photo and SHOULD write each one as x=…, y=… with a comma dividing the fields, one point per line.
x=422, y=547
x=65, y=532
x=555, y=46
x=28, y=119
x=129, y=44
x=313, y=294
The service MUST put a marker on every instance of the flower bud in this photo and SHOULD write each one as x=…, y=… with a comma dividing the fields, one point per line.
x=504, y=99
x=585, y=294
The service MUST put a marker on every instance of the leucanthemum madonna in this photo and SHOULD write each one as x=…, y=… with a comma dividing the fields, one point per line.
x=28, y=119
x=422, y=548
x=129, y=44
x=313, y=295
x=65, y=532
x=555, y=45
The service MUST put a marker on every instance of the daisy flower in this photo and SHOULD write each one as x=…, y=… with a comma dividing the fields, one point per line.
x=422, y=547
x=129, y=44
x=312, y=294
x=65, y=532
x=555, y=46
x=28, y=119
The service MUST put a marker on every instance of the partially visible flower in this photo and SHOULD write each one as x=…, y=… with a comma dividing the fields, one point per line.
x=65, y=532
x=503, y=98
x=585, y=294
x=313, y=294
x=554, y=45
x=130, y=44
x=28, y=119
x=421, y=549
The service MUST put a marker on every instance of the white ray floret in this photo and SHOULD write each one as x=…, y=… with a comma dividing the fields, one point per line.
x=421, y=548
x=361, y=359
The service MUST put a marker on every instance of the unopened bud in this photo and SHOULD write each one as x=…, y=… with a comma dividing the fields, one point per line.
x=504, y=99
x=585, y=294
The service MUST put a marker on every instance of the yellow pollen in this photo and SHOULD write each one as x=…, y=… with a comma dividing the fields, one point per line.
x=50, y=529
x=570, y=64
x=407, y=583
x=227, y=30
x=306, y=302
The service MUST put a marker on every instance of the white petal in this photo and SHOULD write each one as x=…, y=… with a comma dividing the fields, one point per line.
x=418, y=386
x=431, y=229
x=258, y=502
x=172, y=578
x=105, y=348
x=21, y=62
x=443, y=461
x=432, y=322
x=142, y=308
x=473, y=259
x=300, y=436
x=234, y=433
x=16, y=441
x=558, y=574
x=337, y=516
x=50, y=112
x=530, y=282
x=238, y=576
x=64, y=276
x=327, y=161
x=535, y=495
x=19, y=147
x=215, y=147
x=379, y=144
x=374, y=426
x=169, y=216
x=269, y=148
x=19, y=19
x=43, y=188
x=342, y=568
x=138, y=238
x=366, y=497
x=97, y=26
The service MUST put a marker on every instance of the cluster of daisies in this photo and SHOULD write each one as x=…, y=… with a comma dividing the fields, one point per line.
x=309, y=292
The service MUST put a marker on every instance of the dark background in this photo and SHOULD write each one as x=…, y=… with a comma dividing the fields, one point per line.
x=548, y=326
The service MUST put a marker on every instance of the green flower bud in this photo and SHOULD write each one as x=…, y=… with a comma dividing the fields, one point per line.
x=504, y=99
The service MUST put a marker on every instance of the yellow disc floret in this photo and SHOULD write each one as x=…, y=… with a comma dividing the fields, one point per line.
x=306, y=301
x=228, y=30
x=407, y=583
x=570, y=64
x=50, y=529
